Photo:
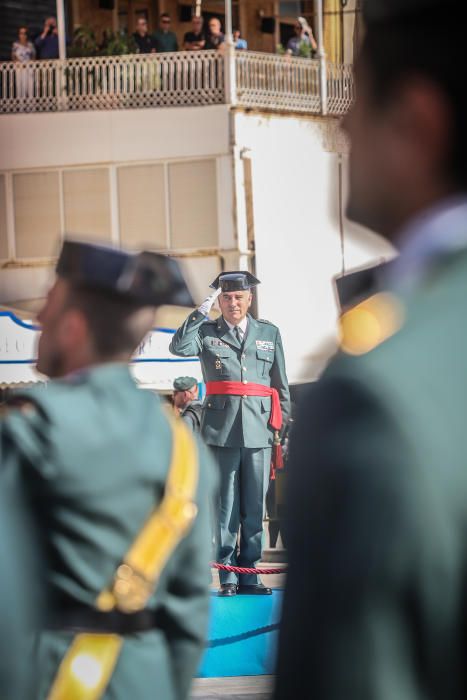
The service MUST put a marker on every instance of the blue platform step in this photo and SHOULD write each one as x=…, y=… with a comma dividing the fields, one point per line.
x=243, y=636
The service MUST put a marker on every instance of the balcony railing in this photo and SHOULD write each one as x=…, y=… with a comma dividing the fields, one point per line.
x=263, y=81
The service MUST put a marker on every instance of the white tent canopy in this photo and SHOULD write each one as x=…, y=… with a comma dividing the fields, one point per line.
x=153, y=366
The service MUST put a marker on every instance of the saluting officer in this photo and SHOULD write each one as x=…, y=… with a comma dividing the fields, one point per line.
x=119, y=491
x=247, y=403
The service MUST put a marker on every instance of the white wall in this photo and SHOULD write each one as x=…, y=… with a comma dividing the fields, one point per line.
x=298, y=185
x=298, y=197
x=81, y=138
x=61, y=144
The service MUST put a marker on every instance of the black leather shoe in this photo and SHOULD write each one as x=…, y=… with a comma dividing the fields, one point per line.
x=255, y=589
x=227, y=590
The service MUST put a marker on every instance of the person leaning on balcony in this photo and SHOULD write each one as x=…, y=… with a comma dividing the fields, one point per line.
x=239, y=43
x=195, y=40
x=215, y=38
x=142, y=37
x=22, y=49
x=164, y=39
x=47, y=42
x=22, y=52
x=120, y=491
x=246, y=406
x=303, y=38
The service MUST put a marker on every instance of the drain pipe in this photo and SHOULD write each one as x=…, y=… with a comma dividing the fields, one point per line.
x=230, y=67
x=61, y=29
x=323, y=80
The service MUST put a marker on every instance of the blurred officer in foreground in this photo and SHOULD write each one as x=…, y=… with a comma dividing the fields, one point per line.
x=186, y=402
x=119, y=492
x=19, y=590
x=246, y=405
x=375, y=606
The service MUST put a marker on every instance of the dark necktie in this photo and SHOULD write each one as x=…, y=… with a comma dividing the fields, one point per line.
x=239, y=335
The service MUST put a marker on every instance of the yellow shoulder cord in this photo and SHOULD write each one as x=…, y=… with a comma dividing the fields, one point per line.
x=87, y=666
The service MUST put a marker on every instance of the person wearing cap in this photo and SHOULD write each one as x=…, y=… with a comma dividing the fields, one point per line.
x=119, y=491
x=246, y=406
x=186, y=402
x=375, y=600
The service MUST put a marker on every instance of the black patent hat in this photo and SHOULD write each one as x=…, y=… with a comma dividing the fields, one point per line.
x=236, y=281
x=148, y=279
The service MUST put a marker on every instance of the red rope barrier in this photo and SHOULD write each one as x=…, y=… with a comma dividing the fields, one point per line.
x=245, y=570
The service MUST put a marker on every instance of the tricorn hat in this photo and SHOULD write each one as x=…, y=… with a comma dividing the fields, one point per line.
x=148, y=279
x=236, y=281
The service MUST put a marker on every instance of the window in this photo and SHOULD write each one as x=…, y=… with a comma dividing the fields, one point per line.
x=193, y=204
x=142, y=197
x=37, y=214
x=3, y=227
x=86, y=198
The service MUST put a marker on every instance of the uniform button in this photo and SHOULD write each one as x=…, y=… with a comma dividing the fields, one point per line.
x=243, y=356
x=244, y=396
x=244, y=369
x=209, y=405
x=245, y=381
x=193, y=318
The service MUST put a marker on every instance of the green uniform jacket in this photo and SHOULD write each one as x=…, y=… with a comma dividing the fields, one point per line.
x=93, y=459
x=236, y=421
x=20, y=599
x=375, y=606
x=191, y=415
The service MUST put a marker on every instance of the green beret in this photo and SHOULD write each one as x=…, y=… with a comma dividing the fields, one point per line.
x=184, y=383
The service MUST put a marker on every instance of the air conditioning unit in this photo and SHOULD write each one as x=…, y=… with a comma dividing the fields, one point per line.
x=268, y=25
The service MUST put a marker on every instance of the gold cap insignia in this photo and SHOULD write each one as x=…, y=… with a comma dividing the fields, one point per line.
x=370, y=323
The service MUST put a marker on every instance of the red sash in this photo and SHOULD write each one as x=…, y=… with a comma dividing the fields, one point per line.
x=228, y=388
x=239, y=389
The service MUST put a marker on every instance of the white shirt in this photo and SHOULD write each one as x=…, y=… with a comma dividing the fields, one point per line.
x=243, y=326
x=441, y=229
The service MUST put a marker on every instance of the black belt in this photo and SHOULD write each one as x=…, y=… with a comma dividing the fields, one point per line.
x=80, y=618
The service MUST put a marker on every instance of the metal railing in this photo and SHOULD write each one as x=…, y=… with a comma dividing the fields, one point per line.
x=278, y=82
x=263, y=81
x=340, y=85
x=285, y=83
x=113, y=82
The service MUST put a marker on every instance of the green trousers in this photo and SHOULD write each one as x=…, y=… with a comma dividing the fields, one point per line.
x=244, y=479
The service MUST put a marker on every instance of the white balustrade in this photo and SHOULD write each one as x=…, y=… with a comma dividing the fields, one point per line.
x=113, y=82
x=263, y=81
x=278, y=82
x=341, y=91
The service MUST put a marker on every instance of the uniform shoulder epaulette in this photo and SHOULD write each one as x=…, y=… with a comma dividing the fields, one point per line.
x=263, y=320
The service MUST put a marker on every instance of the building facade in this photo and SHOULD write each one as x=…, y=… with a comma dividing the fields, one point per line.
x=225, y=162
x=265, y=24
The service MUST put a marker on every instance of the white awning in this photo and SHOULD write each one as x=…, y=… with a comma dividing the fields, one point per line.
x=153, y=366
